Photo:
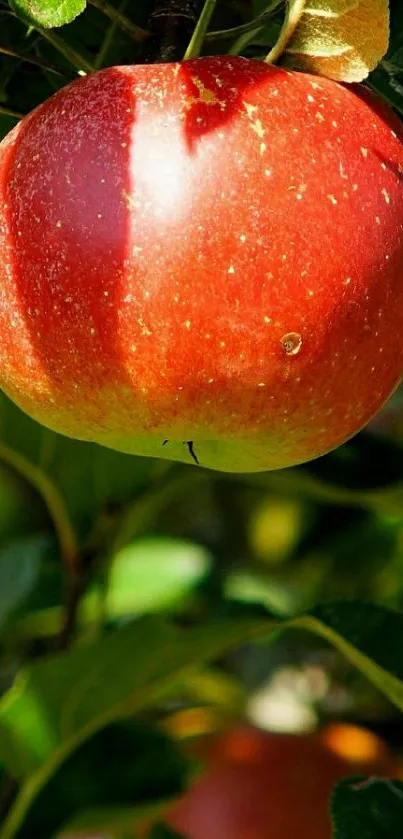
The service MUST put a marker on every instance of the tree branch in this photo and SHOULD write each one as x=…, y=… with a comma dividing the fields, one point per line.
x=171, y=25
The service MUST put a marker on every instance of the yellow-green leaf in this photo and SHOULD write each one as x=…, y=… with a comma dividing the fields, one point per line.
x=341, y=39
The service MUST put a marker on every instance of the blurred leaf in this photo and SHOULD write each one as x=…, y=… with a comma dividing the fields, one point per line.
x=65, y=699
x=275, y=528
x=154, y=573
x=162, y=831
x=151, y=575
x=366, y=472
x=341, y=39
x=368, y=809
x=128, y=771
x=89, y=477
x=358, y=631
x=112, y=821
x=48, y=13
x=254, y=588
x=7, y=122
x=22, y=511
x=62, y=701
x=19, y=567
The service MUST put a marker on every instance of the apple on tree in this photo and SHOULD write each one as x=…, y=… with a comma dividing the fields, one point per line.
x=203, y=261
x=264, y=785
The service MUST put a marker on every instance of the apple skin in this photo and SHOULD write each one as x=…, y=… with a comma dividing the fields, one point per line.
x=209, y=251
x=263, y=785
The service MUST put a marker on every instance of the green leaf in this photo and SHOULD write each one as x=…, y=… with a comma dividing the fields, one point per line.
x=153, y=574
x=90, y=478
x=19, y=567
x=358, y=631
x=62, y=701
x=128, y=772
x=368, y=809
x=48, y=13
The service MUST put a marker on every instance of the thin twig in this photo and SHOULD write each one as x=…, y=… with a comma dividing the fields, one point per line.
x=72, y=55
x=7, y=112
x=107, y=41
x=136, y=32
x=76, y=574
x=76, y=584
x=243, y=28
x=27, y=58
x=52, y=498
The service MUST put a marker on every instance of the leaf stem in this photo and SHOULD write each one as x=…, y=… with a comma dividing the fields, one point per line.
x=252, y=25
x=7, y=112
x=37, y=61
x=295, y=10
x=117, y=16
x=107, y=41
x=52, y=498
x=72, y=55
x=196, y=41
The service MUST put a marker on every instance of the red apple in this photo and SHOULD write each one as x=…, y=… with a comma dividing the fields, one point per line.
x=203, y=261
x=260, y=785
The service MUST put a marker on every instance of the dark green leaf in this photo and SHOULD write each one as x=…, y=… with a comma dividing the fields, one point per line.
x=161, y=831
x=127, y=773
x=19, y=566
x=359, y=630
x=60, y=702
x=368, y=809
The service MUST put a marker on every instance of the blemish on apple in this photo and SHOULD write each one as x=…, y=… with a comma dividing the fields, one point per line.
x=291, y=343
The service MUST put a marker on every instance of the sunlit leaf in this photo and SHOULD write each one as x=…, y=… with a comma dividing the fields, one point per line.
x=48, y=13
x=152, y=574
x=341, y=39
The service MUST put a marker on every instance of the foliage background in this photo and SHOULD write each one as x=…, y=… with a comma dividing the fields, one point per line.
x=183, y=566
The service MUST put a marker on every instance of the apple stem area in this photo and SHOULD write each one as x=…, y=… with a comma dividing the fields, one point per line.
x=171, y=24
x=190, y=447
